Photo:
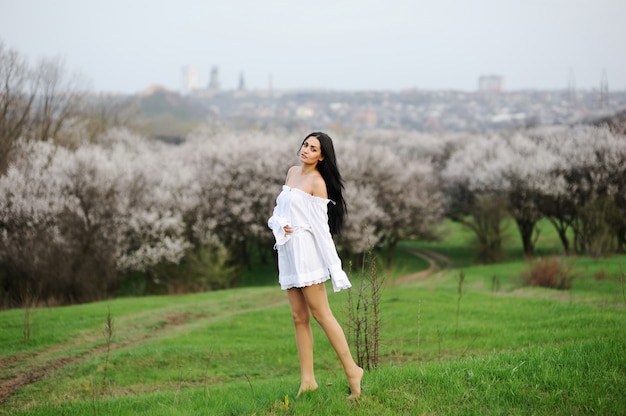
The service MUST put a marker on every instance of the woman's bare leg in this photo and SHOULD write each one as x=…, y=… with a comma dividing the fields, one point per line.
x=317, y=301
x=304, y=339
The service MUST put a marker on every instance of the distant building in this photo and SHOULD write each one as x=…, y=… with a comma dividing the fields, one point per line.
x=242, y=83
x=366, y=118
x=214, y=80
x=189, y=79
x=491, y=83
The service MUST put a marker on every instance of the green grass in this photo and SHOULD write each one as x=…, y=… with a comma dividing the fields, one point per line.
x=511, y=351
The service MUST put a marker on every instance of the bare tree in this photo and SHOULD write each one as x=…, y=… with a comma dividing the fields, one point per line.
x=59, y=98
x=37, y=102
x=17, y=94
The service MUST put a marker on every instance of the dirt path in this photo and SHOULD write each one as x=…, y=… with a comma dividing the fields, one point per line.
x=23, y=369
x=436, y=262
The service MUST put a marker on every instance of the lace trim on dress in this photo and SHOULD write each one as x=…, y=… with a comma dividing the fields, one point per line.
x=292, y=285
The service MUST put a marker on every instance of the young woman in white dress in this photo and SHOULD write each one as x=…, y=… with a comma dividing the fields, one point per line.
x=309, y=210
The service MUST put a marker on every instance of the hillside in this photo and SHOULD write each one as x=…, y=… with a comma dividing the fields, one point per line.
x=445, y=349
x=166, y=115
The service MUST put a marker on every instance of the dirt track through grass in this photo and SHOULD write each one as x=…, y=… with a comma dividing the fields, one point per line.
x=22, y=369
x=436, y=262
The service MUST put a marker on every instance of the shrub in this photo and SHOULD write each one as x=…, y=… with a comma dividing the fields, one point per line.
x=548, y=272
x=601, y=275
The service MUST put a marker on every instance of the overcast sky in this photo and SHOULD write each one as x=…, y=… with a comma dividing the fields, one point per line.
x=127, y=45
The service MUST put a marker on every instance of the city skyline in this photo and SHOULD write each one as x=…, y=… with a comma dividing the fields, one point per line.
x=333, y=45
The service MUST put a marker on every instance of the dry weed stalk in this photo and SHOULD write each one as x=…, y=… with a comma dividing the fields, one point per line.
x=458, y=301
x=364, y=314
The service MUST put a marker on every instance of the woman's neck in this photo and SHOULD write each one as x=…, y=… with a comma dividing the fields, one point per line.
x=308, y=169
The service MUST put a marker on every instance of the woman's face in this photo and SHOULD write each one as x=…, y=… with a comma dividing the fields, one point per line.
x=311, y=151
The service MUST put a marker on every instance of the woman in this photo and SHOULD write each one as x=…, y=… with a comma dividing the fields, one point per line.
x=302, y=223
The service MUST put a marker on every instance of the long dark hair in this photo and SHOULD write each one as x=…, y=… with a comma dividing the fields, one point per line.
x=327, y=167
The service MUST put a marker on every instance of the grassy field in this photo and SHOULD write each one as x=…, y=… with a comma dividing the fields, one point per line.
x=498, y=348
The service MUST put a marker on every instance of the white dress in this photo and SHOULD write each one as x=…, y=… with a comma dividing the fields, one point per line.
x=308, y=255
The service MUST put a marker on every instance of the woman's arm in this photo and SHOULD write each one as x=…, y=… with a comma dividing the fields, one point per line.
x=326, y=246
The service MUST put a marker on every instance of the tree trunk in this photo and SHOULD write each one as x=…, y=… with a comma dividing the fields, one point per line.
x=621, y=239
x=561, y=228
x=526, y=229
x=391, y=247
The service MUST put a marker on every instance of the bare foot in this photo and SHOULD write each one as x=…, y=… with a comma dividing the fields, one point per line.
x=304, y=387
x=354, y=380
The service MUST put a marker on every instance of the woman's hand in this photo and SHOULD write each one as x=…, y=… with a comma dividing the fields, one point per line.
x=288, y=229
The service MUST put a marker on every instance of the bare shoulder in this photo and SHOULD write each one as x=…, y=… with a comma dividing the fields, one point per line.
x=319, y=187
x=292, y=170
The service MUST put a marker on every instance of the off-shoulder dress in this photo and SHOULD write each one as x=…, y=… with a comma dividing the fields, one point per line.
x=308, y=255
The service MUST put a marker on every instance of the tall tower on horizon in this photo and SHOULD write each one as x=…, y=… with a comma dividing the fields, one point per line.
x=604, y=90
x=214, y=79
x=270, y=82
x=571, y=88
x=242, y=83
